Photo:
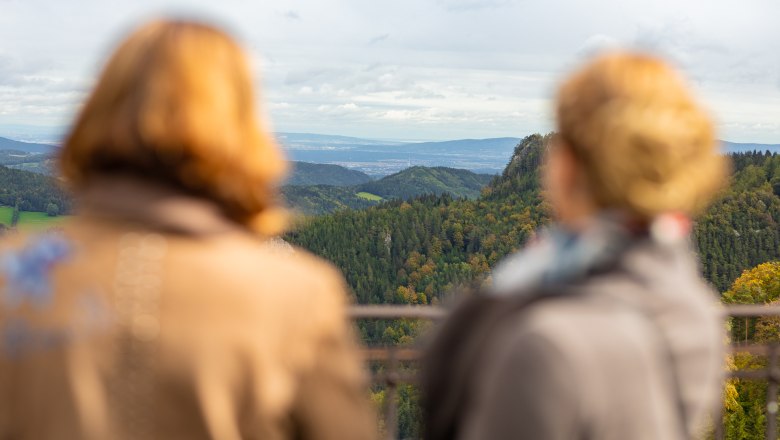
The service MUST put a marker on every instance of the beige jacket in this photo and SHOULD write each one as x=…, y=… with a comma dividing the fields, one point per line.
x=157, y=318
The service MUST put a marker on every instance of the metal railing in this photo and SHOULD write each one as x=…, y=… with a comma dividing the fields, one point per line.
x=393, y=356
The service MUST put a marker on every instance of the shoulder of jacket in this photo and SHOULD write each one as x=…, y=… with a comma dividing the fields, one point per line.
x=305, y=279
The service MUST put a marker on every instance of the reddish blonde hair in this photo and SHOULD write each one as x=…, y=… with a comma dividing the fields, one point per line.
x=645, y=144
x=175, y=103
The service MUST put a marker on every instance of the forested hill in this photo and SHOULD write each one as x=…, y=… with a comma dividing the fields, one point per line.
x=42, y=163
x=416, y=181
x=409, y=183
x=305, y=173
x=324, y=199
x=742, y=228
x=417, y=250
x=414, y=251
x=31, y=191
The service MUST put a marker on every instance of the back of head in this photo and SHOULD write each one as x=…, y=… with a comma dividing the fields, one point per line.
x=175, y=103
x=644, y=143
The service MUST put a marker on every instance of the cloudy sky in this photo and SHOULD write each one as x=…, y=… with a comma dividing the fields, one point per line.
x=408, y=69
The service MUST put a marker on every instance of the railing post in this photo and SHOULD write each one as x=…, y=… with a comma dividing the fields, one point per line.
x=771, y=395
x=391, y=398
x=720, y=428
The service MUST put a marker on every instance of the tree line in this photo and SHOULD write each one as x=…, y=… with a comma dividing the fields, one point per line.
x=28, y=191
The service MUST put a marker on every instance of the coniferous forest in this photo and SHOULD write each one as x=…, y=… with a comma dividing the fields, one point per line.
x=416, y=251
x=30, y=191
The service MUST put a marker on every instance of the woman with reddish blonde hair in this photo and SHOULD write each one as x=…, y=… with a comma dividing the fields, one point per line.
x=603, y=329
x=175, y=104
x=162, y=310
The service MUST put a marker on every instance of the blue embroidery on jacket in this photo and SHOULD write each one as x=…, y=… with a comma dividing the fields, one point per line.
x=27, y=272
x=27, y=276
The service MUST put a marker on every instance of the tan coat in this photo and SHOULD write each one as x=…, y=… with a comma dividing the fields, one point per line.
x=164, y=320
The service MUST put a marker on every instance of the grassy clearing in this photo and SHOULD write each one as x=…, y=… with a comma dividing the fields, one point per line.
x=31, y=220
x=6, y=212
x=369, y=196
x=40, y=220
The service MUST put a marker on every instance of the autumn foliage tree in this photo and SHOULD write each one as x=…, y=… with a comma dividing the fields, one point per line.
x=759, y=285
x=745, y=400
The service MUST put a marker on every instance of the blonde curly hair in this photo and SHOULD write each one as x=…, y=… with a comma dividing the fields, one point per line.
x=646, y=146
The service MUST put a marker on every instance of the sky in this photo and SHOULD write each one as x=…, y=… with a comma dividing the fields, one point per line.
x=407, y=69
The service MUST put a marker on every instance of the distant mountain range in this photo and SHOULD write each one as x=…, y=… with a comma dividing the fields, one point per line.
x=306, y=140
x=377, y=157
x=736, y=147
x=26, y=147
x=380, y=158
x=358, y=173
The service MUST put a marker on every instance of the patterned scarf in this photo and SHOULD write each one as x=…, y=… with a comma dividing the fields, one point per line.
x=562, y=255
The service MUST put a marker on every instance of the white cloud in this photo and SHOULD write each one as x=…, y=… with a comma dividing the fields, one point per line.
x=378, y=39
x=598, y=43
x=291, y=15
x=472, y=5
x=411, y=68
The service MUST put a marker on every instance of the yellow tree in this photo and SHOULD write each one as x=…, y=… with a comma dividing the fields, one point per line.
x=759, y=285
x=744, y=401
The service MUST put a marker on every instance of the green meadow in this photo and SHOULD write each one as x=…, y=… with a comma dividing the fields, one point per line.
x=6, y=213
x=29, y=219
x=369, y=196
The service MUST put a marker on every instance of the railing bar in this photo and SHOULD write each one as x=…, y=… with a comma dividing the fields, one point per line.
x=396, y=312
x=438, y=312
x=750, y=310
x=383, y=354
x=401, y=378
x=750, y=374
x=758, y=349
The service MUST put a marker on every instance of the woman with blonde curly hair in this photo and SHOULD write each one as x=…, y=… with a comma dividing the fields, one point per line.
x=602, y=329
x=162, y=311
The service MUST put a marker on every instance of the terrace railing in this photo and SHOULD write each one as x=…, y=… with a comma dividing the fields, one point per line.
x=393, y=356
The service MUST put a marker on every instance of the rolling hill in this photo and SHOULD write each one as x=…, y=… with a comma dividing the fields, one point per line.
x=737, y=147
x=27, y=147
x=42, y=163
x=323, y=199
x=416, y=181
x=407, y=184
x=305, y=173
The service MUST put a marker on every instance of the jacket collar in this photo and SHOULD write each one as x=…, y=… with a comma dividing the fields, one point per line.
x=608, y=242
x=154, y=205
